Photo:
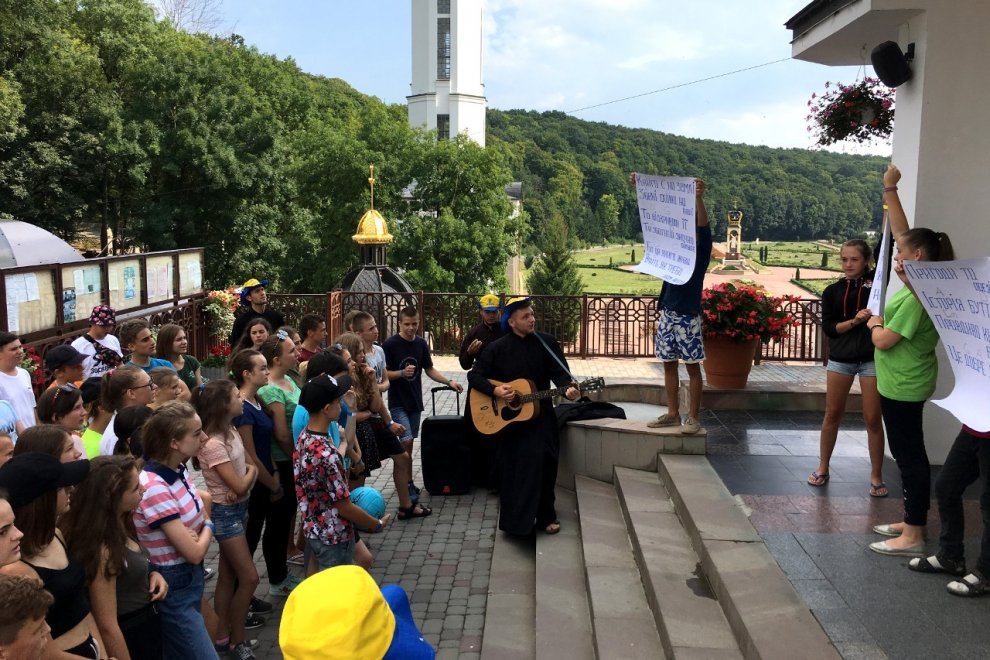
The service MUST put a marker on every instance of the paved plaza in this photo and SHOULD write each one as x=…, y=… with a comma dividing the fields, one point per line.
x=870, y=606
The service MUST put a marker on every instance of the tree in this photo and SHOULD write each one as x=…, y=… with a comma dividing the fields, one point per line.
x=556, y=274
x=460, y=231
x=191, y=15
x=608, y=215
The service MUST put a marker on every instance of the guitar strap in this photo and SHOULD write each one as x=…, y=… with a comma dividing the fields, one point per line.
x=554, y=356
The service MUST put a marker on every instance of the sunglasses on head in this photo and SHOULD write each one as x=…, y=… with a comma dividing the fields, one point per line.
x=65, y=387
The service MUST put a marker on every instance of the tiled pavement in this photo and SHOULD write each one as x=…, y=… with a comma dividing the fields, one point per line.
x=871, y=606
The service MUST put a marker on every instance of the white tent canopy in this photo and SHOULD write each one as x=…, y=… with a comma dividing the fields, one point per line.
x=23, y=244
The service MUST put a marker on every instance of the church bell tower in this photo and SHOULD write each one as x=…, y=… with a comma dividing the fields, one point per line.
x=447, y=93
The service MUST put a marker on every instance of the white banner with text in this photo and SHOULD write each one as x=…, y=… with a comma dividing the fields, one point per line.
x=666, y=213
x=956, y=295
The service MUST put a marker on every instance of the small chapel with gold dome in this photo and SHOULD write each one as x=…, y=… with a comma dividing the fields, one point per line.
x=372, y=273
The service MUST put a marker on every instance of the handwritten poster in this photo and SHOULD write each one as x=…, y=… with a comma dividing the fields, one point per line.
x=956, y=295
x=878, y=292
x=666, y=213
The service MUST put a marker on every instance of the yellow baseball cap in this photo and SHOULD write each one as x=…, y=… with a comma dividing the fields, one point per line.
x=488, y=302
x=337, y=613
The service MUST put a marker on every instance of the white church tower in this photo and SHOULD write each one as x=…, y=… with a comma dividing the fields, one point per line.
x=447, y=92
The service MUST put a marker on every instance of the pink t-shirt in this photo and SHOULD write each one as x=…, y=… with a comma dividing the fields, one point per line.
x=216, y=452
x=168, y=495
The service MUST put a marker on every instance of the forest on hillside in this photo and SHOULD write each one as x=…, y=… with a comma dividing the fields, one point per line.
x=572, y=166
x=117, y=124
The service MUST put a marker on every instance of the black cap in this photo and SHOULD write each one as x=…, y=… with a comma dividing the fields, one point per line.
x=26, y=477
x=323, y=390
x=61, y=356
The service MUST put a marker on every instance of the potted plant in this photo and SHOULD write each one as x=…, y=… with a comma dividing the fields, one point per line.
x=860, y=112
x=215, y=363
x=737, y=316
x=220, y=307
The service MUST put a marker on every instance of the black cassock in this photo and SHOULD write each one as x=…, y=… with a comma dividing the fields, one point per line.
x=528, y=451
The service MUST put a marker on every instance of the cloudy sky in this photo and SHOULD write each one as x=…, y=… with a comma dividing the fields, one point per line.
x=570, y=54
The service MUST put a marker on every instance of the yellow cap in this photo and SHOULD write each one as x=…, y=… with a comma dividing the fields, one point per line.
x=337, y=613
x=488, y=302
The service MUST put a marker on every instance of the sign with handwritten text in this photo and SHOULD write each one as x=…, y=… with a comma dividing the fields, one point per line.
x=956, y=295
x=666, y=213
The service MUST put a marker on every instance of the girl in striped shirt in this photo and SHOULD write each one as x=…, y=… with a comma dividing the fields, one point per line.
x=173, y=524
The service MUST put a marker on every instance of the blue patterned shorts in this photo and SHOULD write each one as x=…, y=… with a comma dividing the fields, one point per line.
x=679, y=337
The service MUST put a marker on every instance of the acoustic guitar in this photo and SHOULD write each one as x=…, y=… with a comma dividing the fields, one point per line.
x=491, y=414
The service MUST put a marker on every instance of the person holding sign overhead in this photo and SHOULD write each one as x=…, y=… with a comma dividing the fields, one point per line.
x=905, y=340
x=850, y=354
x=679, y=327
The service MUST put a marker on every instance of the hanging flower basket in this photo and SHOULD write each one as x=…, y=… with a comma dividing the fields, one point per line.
x=861, y=112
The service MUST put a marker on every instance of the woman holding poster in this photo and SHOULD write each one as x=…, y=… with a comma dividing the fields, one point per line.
x=905, y=340
x=850, y=354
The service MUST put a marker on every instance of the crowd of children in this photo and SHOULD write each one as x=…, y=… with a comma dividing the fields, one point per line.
x=103, y=533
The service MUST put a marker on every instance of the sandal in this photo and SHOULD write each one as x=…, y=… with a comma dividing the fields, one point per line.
x=972, y=585
x=935, y=565
x=552, y=528
x=878, y=490
x=414, y=511
x=817, y=480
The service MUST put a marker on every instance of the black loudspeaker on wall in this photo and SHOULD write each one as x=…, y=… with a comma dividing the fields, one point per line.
x=890, y=64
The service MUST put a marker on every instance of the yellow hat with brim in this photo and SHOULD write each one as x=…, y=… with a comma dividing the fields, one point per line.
x=247, y=286
x=337, y=613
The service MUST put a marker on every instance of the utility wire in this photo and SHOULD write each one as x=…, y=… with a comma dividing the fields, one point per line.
x=684, y=84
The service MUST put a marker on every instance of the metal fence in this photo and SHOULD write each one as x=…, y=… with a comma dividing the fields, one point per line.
x=586, y=325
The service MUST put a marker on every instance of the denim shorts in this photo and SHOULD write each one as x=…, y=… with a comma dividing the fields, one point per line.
x=229, y=520
x=409, y=419
x=861, y=369
x=328, y=556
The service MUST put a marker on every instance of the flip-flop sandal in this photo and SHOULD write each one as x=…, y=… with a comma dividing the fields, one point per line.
x=817, y=480
x=414, y=511
x=548, y=531
x=879, y=490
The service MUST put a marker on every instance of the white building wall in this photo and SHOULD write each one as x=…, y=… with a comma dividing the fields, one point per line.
x=463, y=96
x=941, y=138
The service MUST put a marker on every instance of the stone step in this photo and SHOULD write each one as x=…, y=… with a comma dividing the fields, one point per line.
x=510, y=614
x=689, y=619
x=563, y=619
x=621, y=618
x=757, y=395
x=766, y=614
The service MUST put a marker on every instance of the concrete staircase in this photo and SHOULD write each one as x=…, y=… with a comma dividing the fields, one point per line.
x=653, y=565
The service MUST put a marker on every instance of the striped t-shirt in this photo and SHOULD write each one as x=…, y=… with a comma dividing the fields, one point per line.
x=168, y=495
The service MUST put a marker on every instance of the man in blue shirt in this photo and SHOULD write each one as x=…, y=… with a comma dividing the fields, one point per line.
x=679, y=329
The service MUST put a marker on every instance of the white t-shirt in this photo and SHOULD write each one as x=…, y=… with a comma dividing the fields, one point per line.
x=16, y=390
x=109, y=439
x=91, y=367
x=376, y=360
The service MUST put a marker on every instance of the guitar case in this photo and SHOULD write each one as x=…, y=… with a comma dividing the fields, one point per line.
x=445, y=450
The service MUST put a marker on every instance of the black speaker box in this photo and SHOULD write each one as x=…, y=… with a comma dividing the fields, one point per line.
x=890, y=64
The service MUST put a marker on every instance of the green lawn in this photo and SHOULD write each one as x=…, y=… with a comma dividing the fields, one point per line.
x=604, y=280
x=817, y=287
x=599, y=256
x=797, y=254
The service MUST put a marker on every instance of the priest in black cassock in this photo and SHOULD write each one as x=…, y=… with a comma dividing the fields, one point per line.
x=529, y=450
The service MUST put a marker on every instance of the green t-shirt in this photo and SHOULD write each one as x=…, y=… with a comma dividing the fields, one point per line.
x=907, y=371
x=270, y=394
x=188, y=371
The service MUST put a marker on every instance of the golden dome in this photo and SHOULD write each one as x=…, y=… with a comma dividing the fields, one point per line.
x=372, y=230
